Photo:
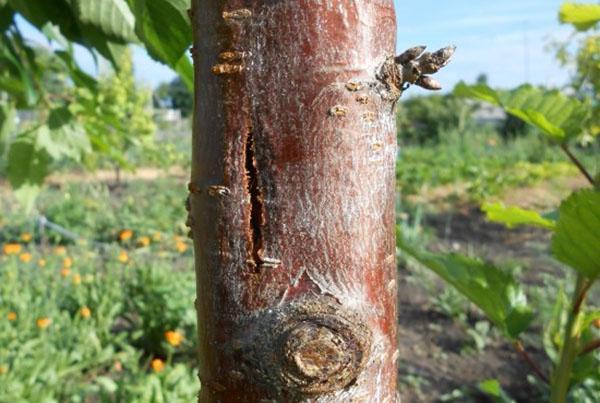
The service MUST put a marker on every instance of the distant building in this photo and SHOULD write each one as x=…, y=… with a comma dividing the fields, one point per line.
x=167, y=115
x=487, y=114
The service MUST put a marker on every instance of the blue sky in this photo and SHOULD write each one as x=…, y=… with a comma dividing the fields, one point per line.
x=506, y=39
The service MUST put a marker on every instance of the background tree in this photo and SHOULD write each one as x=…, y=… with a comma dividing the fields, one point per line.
x=422, y=119
x=117, y=117
x=583, y=59
x=175, y=95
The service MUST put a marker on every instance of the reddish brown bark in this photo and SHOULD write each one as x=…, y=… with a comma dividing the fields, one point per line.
x=292, y=200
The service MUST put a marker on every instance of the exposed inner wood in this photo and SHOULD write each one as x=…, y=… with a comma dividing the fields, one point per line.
x=256, y=203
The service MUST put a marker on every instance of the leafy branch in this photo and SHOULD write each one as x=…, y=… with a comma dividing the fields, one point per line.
x=575, y=236
x=79, y=118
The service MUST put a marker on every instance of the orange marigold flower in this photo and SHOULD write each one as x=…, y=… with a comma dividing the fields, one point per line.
x=64, y=272
x=76, y=279
x=12, y=316
x=181, y=246
x=144, y=241
x=42, y=262
x=85, y=312
x=67, y=262
x=157, y=365
x=43, y=322
x=596, y=323
x=156, y=236
x=25, y=257
x=3, y=369
x=174, y=338
x=11, y=248
x=125, y=235
x=123, y=257
x=26, y=237
x=60, y=250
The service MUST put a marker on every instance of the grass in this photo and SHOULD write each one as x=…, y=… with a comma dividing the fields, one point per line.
x=482, y=163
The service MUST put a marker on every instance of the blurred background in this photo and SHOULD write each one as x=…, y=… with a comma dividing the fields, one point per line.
x=96, y=270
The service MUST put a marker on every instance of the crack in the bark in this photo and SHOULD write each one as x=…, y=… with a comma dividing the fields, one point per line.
x=256, y=202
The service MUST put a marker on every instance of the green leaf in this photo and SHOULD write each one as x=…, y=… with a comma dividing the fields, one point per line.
x=186, y=71
x=27, y=167
x=577, y=238
x=581, y=16
x=62, y=14
x=111, y=51
x=112, y=17
x=164, y=28
x=493, y=388
x=6, y=16
x=63, y=137
x=79, y=77
x=538, y=120
x=587, y=320
x=478, y=91
x=557, y=116
x=26, y=164
x=514, y=216
x=59, y=12
x=106, y=383
x=495, y=292
x=18, y=75
x=7, y=124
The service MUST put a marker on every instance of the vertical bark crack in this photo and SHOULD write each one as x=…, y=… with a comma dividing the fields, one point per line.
x=256, y=201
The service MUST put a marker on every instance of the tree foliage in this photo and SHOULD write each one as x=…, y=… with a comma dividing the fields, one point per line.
x=74, y=112
x=583, y=16
x=495, y=292
x=576, y=240
x=559, y=117
x=116, y=116
x=584, y=57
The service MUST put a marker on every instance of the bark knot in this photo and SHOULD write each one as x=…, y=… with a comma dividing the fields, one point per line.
x=320, y=347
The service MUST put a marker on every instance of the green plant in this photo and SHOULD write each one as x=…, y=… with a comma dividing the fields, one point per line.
x=74, y=113
x=492, y=388
x=585, y=57
x=157, y=303
x=576, y=236
x=424, y=119
x=479, y=164
x=116, y=117
x=104, y=318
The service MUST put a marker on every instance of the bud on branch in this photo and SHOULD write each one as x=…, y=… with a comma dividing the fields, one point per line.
x=415, y=64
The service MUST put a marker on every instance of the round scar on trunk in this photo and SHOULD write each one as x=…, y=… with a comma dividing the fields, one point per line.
x=320, y=347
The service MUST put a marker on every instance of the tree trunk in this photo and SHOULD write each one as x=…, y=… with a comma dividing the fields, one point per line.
x=292, y=200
